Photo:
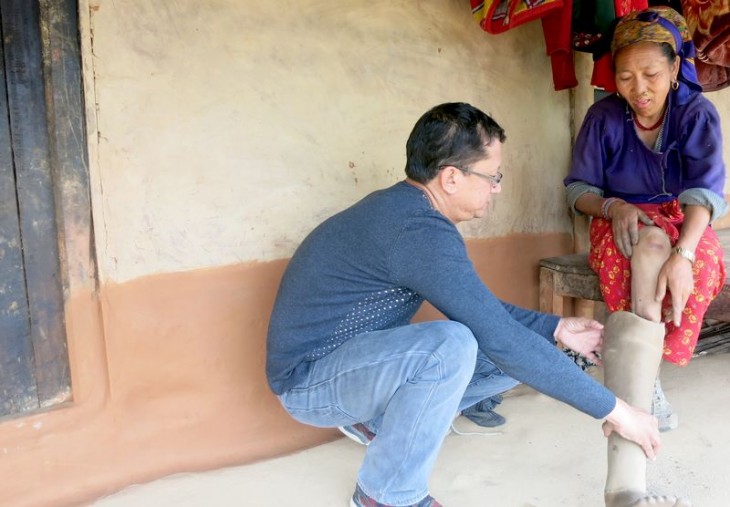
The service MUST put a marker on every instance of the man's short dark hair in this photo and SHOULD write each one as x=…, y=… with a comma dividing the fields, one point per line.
x=455, y=134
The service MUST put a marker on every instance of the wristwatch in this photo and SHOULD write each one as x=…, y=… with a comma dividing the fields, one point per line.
x=686, y=253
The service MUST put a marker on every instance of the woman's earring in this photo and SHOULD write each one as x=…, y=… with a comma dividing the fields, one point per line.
x=675, y=85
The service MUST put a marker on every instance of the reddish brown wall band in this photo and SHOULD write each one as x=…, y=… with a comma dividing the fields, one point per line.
x=168, y=376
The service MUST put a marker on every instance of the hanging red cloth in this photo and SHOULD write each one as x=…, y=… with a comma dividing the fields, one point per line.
x=497, y=16
x=557, y=30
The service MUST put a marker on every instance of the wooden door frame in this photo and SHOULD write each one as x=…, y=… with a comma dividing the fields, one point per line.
x=55, y=153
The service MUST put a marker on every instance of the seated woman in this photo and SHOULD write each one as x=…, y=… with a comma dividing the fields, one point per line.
x=647, y=166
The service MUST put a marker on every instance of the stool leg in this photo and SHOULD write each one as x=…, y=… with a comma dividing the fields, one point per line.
x=583, y=308
x=550, y=301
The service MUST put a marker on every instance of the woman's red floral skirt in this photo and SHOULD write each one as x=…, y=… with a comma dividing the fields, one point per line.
x=614, y=272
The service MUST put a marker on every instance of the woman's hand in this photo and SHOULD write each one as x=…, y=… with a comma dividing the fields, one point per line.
x=675, y=276
x=625, y=219
x=581, y=335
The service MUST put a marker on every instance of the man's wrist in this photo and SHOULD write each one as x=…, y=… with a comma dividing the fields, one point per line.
x=618, y=414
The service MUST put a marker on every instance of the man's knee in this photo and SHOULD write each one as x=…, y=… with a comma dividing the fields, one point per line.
x=457, y=343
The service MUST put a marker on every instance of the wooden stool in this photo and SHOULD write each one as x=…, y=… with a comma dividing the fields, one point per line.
x=565, y=278
x=568, y=282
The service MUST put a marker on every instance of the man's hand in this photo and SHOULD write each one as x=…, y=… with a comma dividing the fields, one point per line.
x=635, y=425
x=582, y=335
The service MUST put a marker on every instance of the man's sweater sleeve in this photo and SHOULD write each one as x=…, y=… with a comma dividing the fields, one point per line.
x=430, y=258
x=543, y=324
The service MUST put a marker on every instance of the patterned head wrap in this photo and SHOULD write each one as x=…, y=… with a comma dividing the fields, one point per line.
x=661, y=24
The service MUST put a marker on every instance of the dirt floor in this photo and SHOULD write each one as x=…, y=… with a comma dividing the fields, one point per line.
x=547, y=455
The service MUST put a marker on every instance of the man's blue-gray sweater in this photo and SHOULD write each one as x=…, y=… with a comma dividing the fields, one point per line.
x=371, y=266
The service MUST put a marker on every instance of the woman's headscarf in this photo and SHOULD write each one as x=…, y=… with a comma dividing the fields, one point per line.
x=661, y=24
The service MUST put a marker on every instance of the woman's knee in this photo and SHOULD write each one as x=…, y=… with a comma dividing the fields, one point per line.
x=653, y=243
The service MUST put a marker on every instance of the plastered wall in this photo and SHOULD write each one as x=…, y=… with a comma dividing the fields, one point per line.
x=229, y=129
x=220, y=133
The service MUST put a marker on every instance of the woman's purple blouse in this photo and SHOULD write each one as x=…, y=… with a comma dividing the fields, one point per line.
x=609, y=155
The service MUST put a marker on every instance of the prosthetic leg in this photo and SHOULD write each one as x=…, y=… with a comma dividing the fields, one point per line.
x=631, y=355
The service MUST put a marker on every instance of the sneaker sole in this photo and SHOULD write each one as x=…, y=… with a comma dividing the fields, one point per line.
x=668, y=423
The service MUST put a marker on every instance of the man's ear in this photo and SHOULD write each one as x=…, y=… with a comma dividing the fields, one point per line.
x=448, y=179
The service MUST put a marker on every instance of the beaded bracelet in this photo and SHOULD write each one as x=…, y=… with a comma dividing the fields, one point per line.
x=607, y=204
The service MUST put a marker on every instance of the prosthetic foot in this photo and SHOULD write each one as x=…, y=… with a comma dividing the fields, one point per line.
x=631, y=355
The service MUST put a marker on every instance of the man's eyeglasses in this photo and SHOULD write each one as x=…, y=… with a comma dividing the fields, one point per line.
x=494, y=179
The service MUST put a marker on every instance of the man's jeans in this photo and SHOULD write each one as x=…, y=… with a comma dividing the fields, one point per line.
x=410, y=383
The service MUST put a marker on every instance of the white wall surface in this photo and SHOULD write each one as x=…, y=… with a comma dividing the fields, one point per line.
x=227, y=129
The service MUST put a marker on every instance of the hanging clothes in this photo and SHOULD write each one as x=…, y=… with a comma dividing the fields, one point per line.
x=603, y=76
x=591, y=22
x=587, y=26
x=497, y=16
x=709, y=23
x=556, y=28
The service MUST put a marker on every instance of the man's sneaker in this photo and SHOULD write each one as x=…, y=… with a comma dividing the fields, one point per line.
x=358, y=432
x=663, y=411
x=482, y=413
x=360, y=499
